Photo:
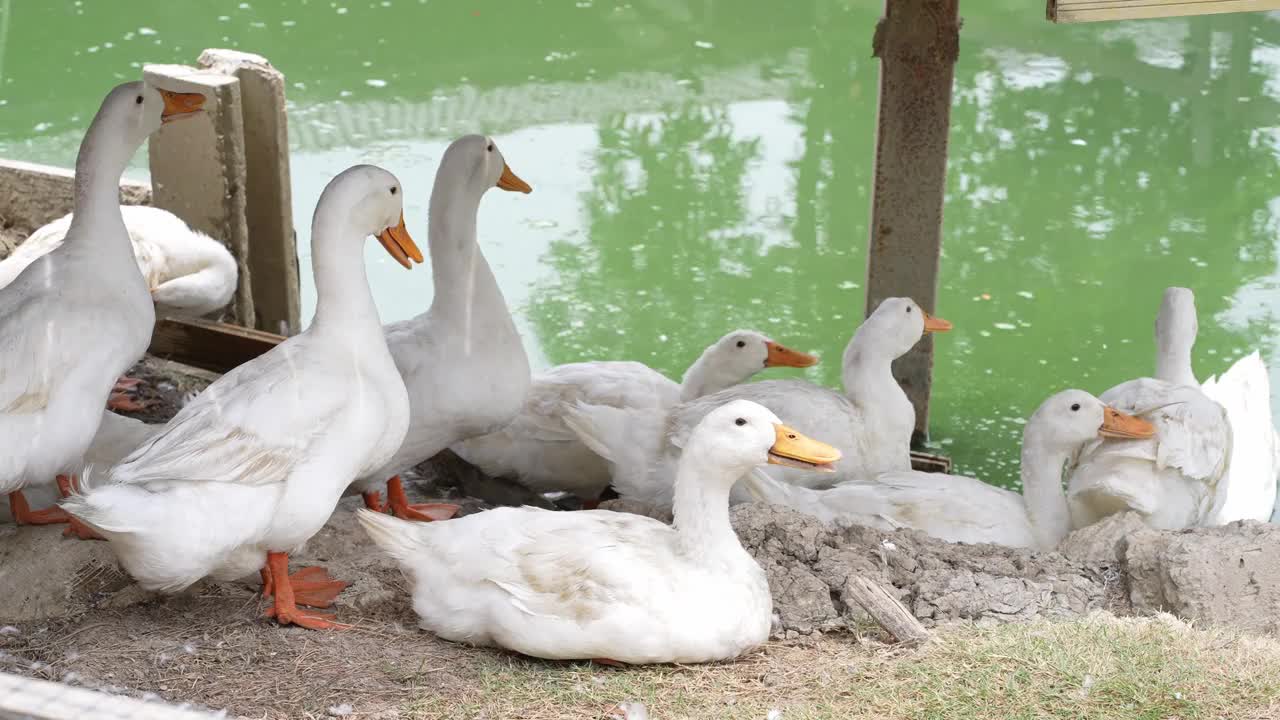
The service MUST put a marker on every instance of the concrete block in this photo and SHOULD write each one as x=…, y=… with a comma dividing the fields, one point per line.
x=273, y=251
x=1228, y=575
x=198, y=168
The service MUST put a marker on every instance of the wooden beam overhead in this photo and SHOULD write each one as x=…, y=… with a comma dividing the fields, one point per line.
x=1073, y=11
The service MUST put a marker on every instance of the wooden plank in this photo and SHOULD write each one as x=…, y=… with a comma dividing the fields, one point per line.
x=929, y=462
x=214, y=346
x=23, y=697
x=1069, y=11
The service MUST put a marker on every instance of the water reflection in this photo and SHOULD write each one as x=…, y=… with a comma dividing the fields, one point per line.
x=706, y=166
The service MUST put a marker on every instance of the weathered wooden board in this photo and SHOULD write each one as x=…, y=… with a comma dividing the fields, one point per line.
x=213, y=346
x=1070, y=11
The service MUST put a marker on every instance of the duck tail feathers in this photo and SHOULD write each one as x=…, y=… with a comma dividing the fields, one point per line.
x=398, y=538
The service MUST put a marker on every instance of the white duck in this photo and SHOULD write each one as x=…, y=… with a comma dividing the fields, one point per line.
x=1247, y=491
x=1175, y=479
x=189, y=273
x=603, y=585
x=540, y=452
x=871, y=423
x=75, y=319
x=254, y=466
x=462, y=360
x=962, y=509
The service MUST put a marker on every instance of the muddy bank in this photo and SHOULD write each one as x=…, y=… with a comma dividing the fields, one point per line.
x=1221, y=576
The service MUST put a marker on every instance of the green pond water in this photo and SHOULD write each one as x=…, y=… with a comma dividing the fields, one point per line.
x=704, y=166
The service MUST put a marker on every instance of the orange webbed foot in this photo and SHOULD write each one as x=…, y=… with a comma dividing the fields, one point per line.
x=120, y=398
x=310, y=619
x=121, y=402
x=608, y=661
x=24, y=515
x=311, y=586
x=373, y=501
x=423, y=512
x=76, y=528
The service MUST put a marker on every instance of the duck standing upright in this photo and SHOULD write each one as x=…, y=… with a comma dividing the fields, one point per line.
x=77, y=318
x=603, y=585
x=253, y=466
x=462, y=360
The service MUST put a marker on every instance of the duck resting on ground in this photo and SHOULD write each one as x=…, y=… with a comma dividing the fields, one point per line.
x=602, y=585
x=78, y=317
x=961, y=509
x=540, y=452
x=462, y=361
x=253, y=466
x=189, y=273
x=871, y=423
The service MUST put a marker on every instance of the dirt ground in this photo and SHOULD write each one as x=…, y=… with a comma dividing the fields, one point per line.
x=1039, y=647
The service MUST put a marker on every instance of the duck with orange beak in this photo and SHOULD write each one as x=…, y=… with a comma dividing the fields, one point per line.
x=542, y=453
x=871, y=423
x=964, y=509
x=79, y=316
x=462, y=360
x=252, y=467
x=609, y=586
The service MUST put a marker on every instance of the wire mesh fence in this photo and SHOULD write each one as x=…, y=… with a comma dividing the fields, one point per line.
x=29, y=699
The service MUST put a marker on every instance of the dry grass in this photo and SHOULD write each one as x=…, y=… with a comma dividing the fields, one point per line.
x=1100, y=667
x=212, y=650
x=212, y=647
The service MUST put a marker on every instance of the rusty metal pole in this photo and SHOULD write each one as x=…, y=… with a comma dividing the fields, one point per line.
x=917, y=42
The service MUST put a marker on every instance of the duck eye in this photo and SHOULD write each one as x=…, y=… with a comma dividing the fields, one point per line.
x=138, y=101
x=740, y=421
x=908, y=308
x=742, y=343
x=490, y=148
x=393, y=191
x=1075, y=407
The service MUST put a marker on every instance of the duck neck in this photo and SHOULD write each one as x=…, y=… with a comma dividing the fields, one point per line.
x=344, y=303
x=701, y=507
x=99, y=165
x=1042, y=490
x=704, y=377
x=867, y=375
x=1173, y=364
x=465, y=288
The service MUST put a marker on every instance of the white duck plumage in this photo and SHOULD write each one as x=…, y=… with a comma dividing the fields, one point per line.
x=253, y=466
x=962, y=509
x=599, y=584
x=1180, y=478
x=189, y=273
x=540, y=452
x=871, y=423
x=462, y=360
x=76, y=318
